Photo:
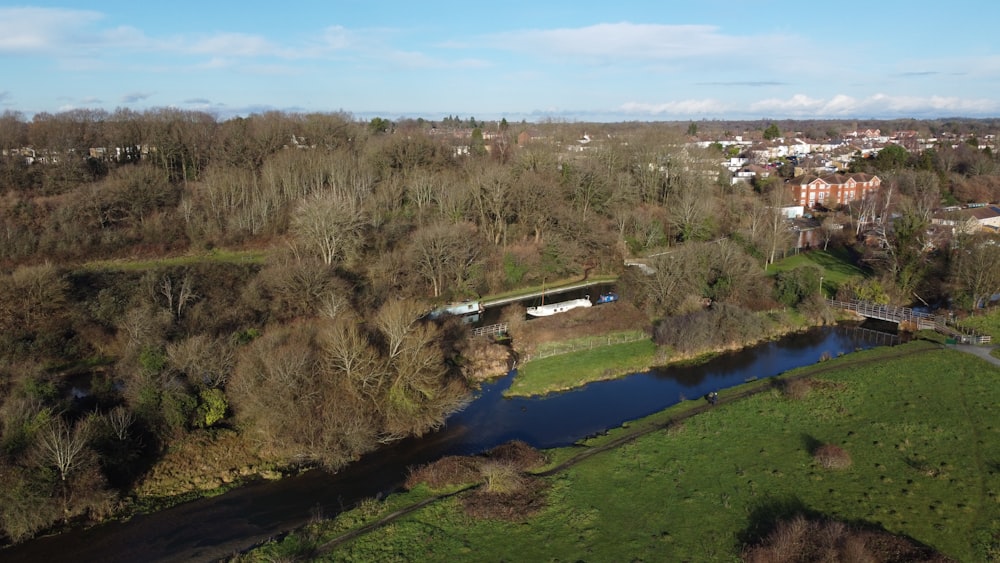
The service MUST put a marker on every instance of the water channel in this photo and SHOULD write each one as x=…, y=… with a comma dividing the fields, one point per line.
x=215, y=528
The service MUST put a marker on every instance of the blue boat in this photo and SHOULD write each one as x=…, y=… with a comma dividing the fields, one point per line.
x=608, y=297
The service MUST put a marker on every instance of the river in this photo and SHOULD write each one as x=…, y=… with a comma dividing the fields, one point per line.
x=215, y=528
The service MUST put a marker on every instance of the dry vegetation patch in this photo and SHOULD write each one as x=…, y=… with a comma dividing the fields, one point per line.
x=511, y=499
x=463, y=470
x=485, y=359
x=801, y=387
x=830, y=456
x=797, y=388
x=507, y=491
x=519, y=454
x=446, y=472
x=580, y=323
x=800, y=539
x=201, y=461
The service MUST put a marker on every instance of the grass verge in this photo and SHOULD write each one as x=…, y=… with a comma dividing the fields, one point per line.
x=573, y=369
x=837, y=267
x=215, y=255
x=987, y=322
x=918, y=422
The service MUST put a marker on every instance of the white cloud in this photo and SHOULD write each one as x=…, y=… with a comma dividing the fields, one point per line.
x=615, y=42
x=133, y=97
x=681, y=107
x=338, y=38
x=78, y=32
x=842, y=105
x=836, y=106
x=230, y=44
x=29, y=29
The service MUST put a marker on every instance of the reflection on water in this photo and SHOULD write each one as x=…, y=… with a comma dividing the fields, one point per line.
x=214, y=528
x=563, y=418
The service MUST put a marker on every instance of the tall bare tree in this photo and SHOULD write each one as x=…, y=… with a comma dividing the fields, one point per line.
x=64, y=447
x=977, y=271
x=493, y=197
x=328, y=226
x=443, y=255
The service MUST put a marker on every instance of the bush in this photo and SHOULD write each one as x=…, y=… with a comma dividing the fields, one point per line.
x=794, y=286
x=445, y=472
x=801, y=539
x=448, y=471
x=507, y=494
x=501, y=478
x=707, y=330
x=517, y=453
x=212, y=407
x=830, y=456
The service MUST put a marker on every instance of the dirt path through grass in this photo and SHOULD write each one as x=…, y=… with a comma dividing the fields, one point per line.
x=590, y=451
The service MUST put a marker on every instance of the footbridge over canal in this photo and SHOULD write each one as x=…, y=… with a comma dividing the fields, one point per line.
x=918, y=320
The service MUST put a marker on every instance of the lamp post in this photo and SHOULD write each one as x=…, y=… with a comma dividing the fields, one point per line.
x=821, y=286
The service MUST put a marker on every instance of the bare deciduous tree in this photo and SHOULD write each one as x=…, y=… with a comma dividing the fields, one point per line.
x=120, y=420
x=64, y=446
x=398, y=321
x=348, y=353
x=493, y=196
x=443, y=254
x=177, y=295
x=329, y=227
x=978, y=271
x=206, y=361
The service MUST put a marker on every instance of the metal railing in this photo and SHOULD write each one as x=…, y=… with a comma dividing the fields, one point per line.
x=919, y=319
x=498, y=329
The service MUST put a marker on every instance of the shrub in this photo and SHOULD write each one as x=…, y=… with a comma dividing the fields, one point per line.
x=501, y=477
x=794, y=286
x=802, y=539
x=445, y=472
x=212, y=407
x=507, y=495
x=519, y=454
x=830, y=456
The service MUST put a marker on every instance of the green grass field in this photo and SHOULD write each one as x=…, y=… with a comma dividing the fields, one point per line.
x=577, y=362
x=216, y=255
x=922, y=430
x=837, y=267
x=987, y=322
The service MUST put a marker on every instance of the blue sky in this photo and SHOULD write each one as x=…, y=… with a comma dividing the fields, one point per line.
x=534, y=60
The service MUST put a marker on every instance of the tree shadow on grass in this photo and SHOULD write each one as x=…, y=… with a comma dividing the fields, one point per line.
x=767, y=514
x=810, y=443
x=770, y=513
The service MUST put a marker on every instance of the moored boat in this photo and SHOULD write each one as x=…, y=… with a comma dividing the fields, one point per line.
x=608, y=297
x=468, y=311
x=560, y=307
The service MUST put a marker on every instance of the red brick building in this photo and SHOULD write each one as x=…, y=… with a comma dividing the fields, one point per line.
x=831, y=190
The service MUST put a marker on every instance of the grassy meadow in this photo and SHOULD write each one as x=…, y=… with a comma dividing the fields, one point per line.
x=919, y=425
x=987, y=322
x=216, y=255
x=837, y=267
x=571, y=363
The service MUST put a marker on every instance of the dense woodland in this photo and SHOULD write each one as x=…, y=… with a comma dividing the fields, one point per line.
x=316, y=244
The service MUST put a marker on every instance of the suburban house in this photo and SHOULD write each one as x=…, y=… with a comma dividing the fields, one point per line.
x=969, y=220
x=831, y=190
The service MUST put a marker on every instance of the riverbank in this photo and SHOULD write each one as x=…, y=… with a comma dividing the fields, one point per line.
x=920, y=456
x=611, y=354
